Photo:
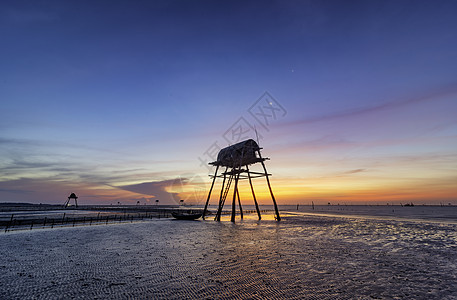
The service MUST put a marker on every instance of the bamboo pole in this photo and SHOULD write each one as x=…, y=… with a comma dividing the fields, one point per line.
x=219, y=208
x=253, y=194
x=234, y=197
x=239, y=203
x=278, y=218
x=209, y=194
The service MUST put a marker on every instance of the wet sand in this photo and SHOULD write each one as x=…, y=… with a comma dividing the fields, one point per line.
x=301, y=257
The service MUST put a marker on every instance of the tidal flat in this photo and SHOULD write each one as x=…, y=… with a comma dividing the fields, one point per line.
x=301, y=257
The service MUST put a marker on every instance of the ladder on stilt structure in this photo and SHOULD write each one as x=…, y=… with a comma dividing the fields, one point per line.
x=223, y=197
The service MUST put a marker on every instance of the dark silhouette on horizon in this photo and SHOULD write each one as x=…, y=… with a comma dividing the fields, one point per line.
x=72, y=196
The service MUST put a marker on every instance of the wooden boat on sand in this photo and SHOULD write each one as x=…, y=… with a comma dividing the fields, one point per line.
x=186, y=214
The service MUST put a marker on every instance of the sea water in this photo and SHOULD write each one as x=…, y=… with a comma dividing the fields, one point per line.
x=447, y=213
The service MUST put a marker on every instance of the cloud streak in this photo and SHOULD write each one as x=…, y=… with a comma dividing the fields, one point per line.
x=156, y=189
x=449, y=90
x=350, y=172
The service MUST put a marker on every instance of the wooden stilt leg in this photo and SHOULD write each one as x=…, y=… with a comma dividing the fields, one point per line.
x=278, y=218
x=219, y=208
x=253, y=194
x=209, y=194
x=239, y=203
x=234, y=197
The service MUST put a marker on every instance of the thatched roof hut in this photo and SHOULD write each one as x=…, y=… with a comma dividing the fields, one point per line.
x=239, y=154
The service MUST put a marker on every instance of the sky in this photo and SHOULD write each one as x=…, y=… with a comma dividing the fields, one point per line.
x=354, y=102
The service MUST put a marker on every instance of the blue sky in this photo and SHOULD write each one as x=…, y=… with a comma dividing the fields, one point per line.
x=116, y=101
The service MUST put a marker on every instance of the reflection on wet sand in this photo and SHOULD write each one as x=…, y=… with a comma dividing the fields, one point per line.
x=301, y=257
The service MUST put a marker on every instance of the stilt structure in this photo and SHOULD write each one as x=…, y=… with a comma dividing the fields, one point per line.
x=72, y=196
x=236, y=160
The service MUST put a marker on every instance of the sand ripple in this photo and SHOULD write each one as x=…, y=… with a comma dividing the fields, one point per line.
x=298, y=258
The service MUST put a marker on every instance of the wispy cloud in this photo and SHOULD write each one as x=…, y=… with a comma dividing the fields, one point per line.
x=449, y=90
x=353, y=172
x=156, y=189
x=34, y=190
x=50, y=177
x=29, y=158
x=45, y=190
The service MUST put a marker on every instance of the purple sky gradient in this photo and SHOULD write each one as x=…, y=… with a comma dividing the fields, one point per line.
x=100, y=96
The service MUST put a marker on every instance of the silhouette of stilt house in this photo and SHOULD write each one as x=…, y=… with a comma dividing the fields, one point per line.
x=236, y=159
x=72, y=196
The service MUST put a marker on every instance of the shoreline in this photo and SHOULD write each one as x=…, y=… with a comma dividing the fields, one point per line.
x=371, y=217
x=34, y=217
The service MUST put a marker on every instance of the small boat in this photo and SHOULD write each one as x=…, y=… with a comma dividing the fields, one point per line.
x=186, y=214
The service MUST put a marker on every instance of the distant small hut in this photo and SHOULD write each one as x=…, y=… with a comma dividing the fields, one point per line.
x=72, y=196
x=236, y=159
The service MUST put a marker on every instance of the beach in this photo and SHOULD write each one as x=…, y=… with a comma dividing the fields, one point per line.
x=304, y=256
